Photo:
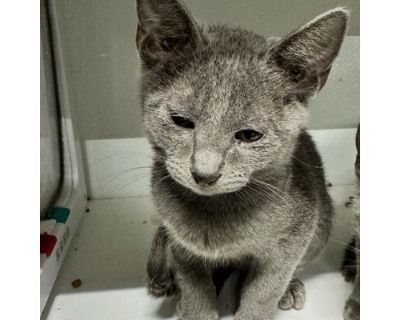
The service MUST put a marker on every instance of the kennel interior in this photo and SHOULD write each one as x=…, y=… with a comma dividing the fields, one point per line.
x=93, y=252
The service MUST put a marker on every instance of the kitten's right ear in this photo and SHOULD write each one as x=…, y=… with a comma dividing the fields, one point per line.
x=165, y=31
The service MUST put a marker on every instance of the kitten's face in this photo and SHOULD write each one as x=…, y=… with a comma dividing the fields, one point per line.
x=219, y=119
x=218, y=103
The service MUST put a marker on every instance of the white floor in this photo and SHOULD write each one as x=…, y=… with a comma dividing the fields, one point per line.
x=109, y=255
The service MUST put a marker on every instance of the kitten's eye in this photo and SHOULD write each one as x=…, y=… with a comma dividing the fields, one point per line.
x=248, y=135
x=182, y=122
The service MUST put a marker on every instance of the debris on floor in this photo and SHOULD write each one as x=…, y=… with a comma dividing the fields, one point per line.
x=76, y=283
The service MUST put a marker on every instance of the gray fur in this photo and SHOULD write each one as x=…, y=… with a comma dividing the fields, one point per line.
x=268, y=214
x=352, y=261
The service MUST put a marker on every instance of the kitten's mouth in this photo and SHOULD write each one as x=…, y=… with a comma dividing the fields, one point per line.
x=206, y=191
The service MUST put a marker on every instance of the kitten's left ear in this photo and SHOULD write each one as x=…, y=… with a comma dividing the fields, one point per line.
x=306, y=55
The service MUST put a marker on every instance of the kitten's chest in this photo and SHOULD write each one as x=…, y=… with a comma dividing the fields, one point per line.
x=224, y=237
x=208, y=243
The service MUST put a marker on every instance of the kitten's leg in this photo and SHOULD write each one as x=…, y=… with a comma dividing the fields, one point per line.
x=352, y=308
x=220, y=275
x=263, y=288
x=349, y=266
x=294, y=297
x=161, y=281
x=197, y=294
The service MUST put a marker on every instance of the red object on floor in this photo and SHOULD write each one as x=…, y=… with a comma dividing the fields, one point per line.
x=47, y=243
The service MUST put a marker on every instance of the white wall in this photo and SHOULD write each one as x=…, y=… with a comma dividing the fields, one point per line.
x=102, y=65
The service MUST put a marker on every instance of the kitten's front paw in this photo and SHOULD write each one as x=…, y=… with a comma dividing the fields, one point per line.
x=352, y=309
x=162, y=285
x=294, y=297
x=185, y=311
x=213, y=317
x=252, y=316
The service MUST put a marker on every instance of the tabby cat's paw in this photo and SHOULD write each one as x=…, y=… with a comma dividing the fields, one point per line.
x=294, y=297
x=352, y=309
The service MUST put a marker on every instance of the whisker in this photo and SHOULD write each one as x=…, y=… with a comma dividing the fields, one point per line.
x=343, y=243
x=162, y=179
x=261, y=192
x=268, y=184
x=123, y=172
x=269, y=187
x=130, y=182
x=307, y=164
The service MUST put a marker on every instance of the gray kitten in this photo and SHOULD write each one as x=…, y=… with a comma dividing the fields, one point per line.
x=351, y=265
x=236, y=178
